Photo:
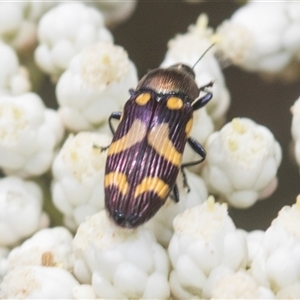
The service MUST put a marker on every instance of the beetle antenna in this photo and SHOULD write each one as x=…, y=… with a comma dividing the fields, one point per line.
x=202, y=55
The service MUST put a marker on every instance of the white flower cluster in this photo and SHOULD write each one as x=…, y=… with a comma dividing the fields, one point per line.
x=29, y=135
x=199, y=38
x=242, y=162
x=276, y=265
x=199, y=248
x=120, y=263
x=64, y=31
x=78, y=175
x=18, y=23
x=295, y=109
x=95, y=84
x=188, y=250
x=264, y=38
x=21, y=214
x=14, y=79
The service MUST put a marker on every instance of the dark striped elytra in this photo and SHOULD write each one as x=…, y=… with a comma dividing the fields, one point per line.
x=145, y=155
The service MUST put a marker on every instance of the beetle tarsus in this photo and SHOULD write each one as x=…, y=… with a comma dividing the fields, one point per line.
x=175, y=196
x=115, y=115
x=100, y=148
x=202, y=101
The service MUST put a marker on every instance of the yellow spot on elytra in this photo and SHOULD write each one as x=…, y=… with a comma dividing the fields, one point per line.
x=143, y=99
x=188, y=127
x=238, y=126
x=118, y=179
x=232, y=144
x=211, y=203
x=158, y=138
x=153, y=184
x=174, y=103
x=298, y=202
x=134, y=135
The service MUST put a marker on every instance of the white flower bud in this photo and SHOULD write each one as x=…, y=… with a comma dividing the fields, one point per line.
x=292, y=292
x=84, y=291
x=239, y=285
x=254, y=240
x=162, y=223
x=20, y=210
x=256, y=43
x=277, y=265
x=295, y=129
x=95, y=84
x=78, y=177
x=29, y=134
x=242, y=162
x=18, y=23
x=14, y=79
x=187, y=48
x=64, y=31
x=120, y=263
x=4, y=251
x=37, y=282
x=50, y=247
x=116, y=12
x=204, y=238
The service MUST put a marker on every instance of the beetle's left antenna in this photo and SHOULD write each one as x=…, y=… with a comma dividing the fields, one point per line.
x=202, y=55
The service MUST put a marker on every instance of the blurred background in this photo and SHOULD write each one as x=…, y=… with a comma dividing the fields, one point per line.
x=145, y=36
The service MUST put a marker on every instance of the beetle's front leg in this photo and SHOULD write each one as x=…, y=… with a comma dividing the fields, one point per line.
x=115, y=115
x=200, y=102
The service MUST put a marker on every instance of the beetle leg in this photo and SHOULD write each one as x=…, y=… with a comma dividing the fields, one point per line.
x=175, y=195
x=198, y=148
x=115, y=115
x=185, y=182
x=200, y=102
x=100, y=148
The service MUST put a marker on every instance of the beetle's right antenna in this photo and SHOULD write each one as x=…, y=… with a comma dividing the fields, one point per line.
x=202, y=55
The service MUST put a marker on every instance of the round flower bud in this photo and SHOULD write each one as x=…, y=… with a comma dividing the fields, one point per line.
x=21, y=214
x=204, y=238
x=29, y=135
x=242, y=162
x=60, y=40
x=95, y=84
x=49, y=247
x=78, y=177
x=256, y=43
x=162, y=223
x=37, y=282
x=14, y=79
x=276, y=265
x=120, y=263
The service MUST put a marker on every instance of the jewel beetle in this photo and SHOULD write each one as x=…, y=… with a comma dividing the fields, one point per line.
x=144, y=157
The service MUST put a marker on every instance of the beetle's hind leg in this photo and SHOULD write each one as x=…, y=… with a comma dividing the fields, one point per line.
x=175, y=194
